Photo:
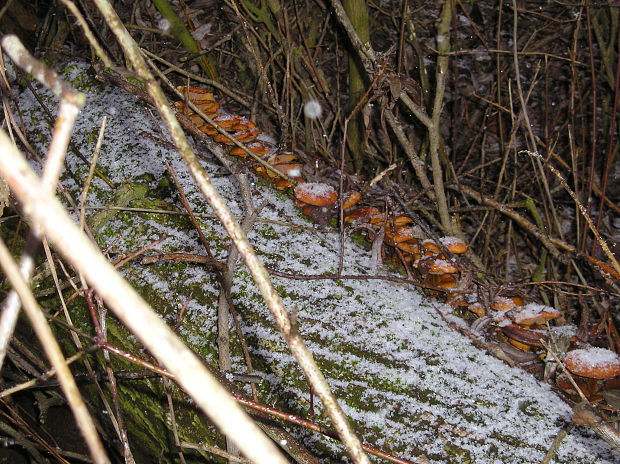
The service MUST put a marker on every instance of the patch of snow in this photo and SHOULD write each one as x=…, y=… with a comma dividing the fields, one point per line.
x=593, y=357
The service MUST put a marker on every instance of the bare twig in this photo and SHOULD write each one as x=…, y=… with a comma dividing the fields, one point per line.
x=91, y=171
x=53, y=352
x=582, y=210
x=70, y=104
x=274, y=302
x=47, y=213
x=88, y=33
x=584, y=414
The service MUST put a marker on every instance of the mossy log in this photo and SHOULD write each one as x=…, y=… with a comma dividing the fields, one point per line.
x=410, y=384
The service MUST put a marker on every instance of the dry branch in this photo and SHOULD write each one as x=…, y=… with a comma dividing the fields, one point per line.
x=47, y=213
x=259, y=274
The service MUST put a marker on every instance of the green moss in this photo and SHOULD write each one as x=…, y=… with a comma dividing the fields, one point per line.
x=83, y=78
x=122, y=197
x=455, y=451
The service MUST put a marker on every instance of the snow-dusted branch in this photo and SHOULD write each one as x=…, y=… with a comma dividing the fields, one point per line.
x=47, y=213
x=258, y=271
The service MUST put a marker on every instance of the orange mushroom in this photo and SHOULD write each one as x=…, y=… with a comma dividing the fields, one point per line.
x=361, y=213
x=454, y=244
x=401, y=220
x=350, y=199
x=534, y=314
x=208, y=129
x=430, y=247
x=247, y=135
x=398, y=234
x=257, y=148
x=434, y=265
x=283, y=184
x=528, y=337
x=478, y=309
x=290, y=169
x=208, y=107
x=446, y=281
x=502, y=303
x=316, y=193
x=589, y=387
x=519, y=345
x=221, y=138
x=282, y=157
x=226, y=121
x=267, y=173
x=196, y=119
x=243, y=124
x=410, y=246
x=593, y=363
x=195, y=94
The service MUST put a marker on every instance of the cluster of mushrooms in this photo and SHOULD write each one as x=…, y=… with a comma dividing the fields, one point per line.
x=244, y=130
x=523, y=326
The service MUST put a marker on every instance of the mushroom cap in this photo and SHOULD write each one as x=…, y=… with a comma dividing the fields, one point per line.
x=244, y=124
x=400, y=220
x=290, y=169
x=282, y=157
x=478, y=309
x=434, y=265
x=594, y=363
x=442, y=266
x=519, y=345
x=518, y=300
x=264, y=172
x=399, y=234
x=445, y=281
x=196, y=119
x=454, y=244
x=257, y=148
x=221, y=138
x=195, y=94
x=430, y=247
x=208, y=129
x=350, y=199
x=410, y=246
x=226, y=120
x=588, y=387
x=529, y=337
x=284, y=184
x=361, y=212
x=316, y=193
x=208, y=107
x=502, y=303
x=247, y=135
x=534, y=313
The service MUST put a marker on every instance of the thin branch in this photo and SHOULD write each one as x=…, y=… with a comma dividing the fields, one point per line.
x=53, y=352
x=70, y=104
x=46, y=212
x=260, y=448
